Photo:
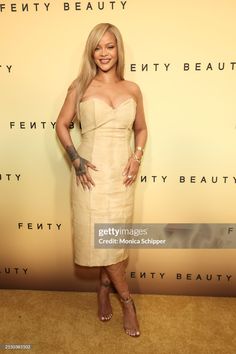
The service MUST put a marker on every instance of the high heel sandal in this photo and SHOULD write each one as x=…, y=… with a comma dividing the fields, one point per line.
x=127, y=330
x=107, y=317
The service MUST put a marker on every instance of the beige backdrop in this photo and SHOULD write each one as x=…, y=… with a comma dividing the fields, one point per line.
x=181, y=54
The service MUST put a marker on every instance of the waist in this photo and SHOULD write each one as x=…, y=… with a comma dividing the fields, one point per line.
x=107, y=133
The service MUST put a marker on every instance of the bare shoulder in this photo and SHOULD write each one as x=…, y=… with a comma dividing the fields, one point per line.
x=73, y=86
x=132, y=85
x=72, y=93
x=133, y=88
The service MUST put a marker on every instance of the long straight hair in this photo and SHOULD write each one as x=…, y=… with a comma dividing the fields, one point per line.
x=88, y=68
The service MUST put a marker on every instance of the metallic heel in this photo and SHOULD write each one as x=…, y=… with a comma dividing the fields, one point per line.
x=127, y=301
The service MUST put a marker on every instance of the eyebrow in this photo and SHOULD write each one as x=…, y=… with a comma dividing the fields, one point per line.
x=107, y=43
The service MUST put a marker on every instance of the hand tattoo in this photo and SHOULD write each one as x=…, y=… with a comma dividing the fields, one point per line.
x=81, y=169
x=73, y=154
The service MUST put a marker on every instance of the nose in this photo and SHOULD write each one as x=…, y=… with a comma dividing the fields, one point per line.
x=104, y=51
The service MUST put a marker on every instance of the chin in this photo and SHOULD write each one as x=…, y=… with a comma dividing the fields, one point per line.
x=105, y=67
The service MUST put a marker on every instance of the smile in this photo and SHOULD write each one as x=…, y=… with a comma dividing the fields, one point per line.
x=104, y=61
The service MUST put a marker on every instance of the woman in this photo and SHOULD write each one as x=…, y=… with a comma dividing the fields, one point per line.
x=104, y=168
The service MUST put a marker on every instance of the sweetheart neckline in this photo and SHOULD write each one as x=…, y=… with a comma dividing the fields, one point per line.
x=107, y=104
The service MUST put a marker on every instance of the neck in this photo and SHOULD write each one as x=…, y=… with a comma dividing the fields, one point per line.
x=107, y=77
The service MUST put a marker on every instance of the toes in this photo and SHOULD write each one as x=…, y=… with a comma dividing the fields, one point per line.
x=132, y=333
x=106, y=317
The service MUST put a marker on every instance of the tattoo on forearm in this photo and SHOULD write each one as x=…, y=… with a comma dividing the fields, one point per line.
x=71, y=151
x=73, y=154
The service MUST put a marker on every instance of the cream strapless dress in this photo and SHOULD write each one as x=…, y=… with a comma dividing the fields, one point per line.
x=105, y=142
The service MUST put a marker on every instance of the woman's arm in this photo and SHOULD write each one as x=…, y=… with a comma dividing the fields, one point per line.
x=66, y=116
x=140, y=127
x=140, y=138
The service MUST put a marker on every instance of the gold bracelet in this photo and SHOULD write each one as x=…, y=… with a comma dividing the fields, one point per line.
x=136, y=158
x=139, y=148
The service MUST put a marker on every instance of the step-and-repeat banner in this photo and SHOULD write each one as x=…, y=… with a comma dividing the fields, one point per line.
x=181, y=54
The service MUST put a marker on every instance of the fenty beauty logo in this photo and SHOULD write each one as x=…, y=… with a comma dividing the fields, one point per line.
x=39, y=7
x=39, y=226
x=189, y=179
x=166, y=67
x=14, y=270
x=182, y=276
x=10, y=177
x=35, y=125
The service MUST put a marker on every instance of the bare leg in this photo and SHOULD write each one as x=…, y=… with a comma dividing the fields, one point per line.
x=117, y=275
x=104, y=305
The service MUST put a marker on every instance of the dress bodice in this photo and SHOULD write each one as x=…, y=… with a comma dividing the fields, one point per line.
x=96, y=113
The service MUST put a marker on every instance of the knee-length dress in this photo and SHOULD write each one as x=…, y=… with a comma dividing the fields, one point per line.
x=105, y=142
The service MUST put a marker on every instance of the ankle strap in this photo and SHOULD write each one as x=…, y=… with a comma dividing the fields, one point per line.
x=126, y=301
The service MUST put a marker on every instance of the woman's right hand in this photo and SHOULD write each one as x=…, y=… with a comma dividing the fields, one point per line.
x=82, y=174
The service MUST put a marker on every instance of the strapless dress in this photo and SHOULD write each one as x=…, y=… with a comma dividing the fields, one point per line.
x=105, y=142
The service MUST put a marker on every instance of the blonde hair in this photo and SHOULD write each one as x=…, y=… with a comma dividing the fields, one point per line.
x=88, y=68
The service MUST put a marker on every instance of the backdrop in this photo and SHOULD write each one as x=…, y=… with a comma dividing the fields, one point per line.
x=181, y=55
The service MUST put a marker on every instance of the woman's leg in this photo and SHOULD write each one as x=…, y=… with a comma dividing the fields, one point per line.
x=116, y=273
x=104, y=305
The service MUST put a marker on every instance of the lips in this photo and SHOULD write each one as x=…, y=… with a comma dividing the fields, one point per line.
x=104, y=61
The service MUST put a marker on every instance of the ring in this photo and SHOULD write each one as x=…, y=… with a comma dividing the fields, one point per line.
x=129, y=176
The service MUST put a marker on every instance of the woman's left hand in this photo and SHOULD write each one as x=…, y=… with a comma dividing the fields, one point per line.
x=130, y=171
